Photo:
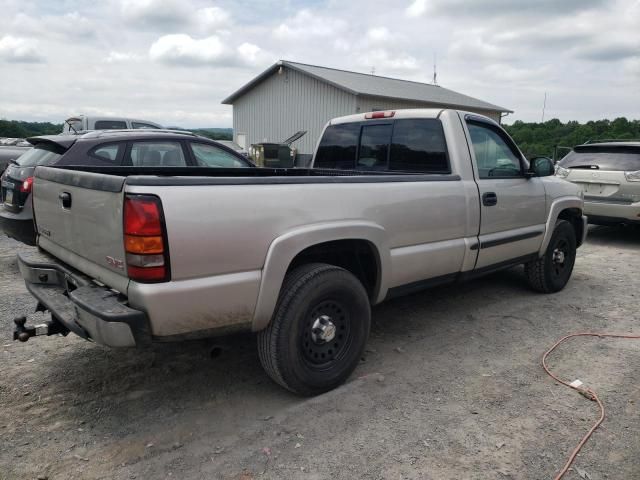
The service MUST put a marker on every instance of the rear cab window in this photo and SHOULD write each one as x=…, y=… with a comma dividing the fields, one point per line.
x=402, y=145
x=155, y=154
x=72, y=125
x=611, y=158
x=338, y=147
x=140, y=125
x=373, y=153
x=110, y=125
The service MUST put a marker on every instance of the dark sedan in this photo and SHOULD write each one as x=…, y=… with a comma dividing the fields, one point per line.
x=138, y=148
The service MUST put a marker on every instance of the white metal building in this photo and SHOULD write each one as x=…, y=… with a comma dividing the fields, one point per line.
x=289, y=96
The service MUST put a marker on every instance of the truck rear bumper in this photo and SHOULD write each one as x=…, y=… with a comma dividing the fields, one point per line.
x=93, y=312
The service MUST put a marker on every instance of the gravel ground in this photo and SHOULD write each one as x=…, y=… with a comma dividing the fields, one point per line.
x=450, y=388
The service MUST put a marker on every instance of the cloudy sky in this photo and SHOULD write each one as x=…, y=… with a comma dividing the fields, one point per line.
x=173, y=61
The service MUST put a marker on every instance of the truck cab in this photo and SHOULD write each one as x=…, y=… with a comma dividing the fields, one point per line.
x=79, y=123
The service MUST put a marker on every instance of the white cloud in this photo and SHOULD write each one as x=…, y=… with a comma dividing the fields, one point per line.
x=182, y=49
x=120, y=56
x=474, y=46
x=500, y=8
x=212, y=18
x=159, y=13
x=309, y=24
x=174, y=14
x=417, y=8
x=506, y=73
x=71, y=25
x=20, y=50
x=115, y=57
x=379, y=35
x=382, y=60
x=249, y=53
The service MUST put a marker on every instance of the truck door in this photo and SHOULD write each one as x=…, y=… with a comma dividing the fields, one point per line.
x=512, y=206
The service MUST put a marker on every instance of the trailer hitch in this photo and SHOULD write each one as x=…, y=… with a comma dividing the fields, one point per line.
x=24, y=332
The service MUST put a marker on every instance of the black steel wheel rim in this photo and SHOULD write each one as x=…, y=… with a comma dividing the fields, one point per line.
x=321, y=355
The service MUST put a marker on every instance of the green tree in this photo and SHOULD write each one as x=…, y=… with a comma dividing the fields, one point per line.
x=535, y=138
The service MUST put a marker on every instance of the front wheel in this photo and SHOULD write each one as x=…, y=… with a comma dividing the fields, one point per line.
x=551, y=272
x=319, y=329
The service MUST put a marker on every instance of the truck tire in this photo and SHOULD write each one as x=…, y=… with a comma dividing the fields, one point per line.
x=318, y=331
x=551, y=272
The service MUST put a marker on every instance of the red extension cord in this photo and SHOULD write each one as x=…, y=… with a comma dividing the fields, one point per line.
x=585, y=392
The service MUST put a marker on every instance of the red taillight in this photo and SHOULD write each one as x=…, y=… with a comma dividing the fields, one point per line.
x=144, y=239
x=372, y=115
x=25, y=186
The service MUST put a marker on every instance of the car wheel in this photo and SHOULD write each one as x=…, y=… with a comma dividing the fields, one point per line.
x=319, y=329
x=551, y=273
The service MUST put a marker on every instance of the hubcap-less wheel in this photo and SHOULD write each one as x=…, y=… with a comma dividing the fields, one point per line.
x=559, y=256
x=551, y=272
x=319, y=329
x=326, y=334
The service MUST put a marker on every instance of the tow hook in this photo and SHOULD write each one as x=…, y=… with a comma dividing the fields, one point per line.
x=24, y=332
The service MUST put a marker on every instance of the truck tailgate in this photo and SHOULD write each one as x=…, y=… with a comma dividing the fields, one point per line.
x=78, y=218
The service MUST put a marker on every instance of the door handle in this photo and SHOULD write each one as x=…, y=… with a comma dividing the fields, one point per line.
x=489, y=199
x=65, y=198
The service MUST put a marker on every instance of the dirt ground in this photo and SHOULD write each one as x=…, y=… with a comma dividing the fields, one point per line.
x=450, y=388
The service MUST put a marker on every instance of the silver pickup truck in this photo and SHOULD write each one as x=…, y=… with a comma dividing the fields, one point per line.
x=397, y=201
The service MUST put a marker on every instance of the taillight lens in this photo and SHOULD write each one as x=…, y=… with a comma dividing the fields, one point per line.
x=145, y=241
x=632, y=176
x=562, y=172
x=26, y=185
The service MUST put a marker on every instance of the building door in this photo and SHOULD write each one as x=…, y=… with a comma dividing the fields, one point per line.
x=241, y=139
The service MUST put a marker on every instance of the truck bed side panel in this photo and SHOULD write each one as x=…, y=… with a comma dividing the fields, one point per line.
x=220, y=234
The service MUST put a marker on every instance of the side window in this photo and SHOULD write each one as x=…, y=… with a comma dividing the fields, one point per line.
x=418, y=145
x=212, y=156
x=374, y=147
x=156, y=154
x=494, y=156
x=110, y=125
x=107, y=152
x=139, y=125
x=337, y=149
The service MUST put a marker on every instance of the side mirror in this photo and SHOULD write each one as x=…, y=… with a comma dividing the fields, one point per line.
x=542, y=167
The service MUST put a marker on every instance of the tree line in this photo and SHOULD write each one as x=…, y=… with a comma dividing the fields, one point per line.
x=19, y=129
x=541, y=138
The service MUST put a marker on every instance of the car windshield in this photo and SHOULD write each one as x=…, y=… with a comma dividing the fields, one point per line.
x=603, y=158
x=41, y=154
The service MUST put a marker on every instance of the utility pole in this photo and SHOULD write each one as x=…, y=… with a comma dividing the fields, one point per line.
x=544, y=106
x=373, y=70
x=435, y=73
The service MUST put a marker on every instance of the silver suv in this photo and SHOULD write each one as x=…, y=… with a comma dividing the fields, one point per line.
x=609, y=175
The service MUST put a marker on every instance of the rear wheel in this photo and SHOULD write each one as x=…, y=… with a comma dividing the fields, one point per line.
x=319, y=329
x=551, y=273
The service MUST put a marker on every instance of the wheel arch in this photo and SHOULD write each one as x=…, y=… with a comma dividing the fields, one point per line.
x=565, y=208
x=327, y=243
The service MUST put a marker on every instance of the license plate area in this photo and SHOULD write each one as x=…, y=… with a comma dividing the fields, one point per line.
x=598, y=189
x=8, y=197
